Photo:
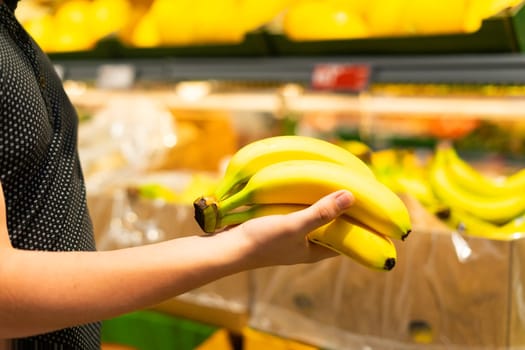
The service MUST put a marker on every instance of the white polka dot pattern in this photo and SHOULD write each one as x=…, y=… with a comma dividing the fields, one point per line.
x=39, y=166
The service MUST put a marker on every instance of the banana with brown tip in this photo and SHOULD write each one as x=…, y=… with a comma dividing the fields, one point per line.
x=304, y=182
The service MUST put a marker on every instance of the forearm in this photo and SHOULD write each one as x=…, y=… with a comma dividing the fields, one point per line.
x=44, y=291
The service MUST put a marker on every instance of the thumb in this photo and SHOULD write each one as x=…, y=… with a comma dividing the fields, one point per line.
x=325, y=209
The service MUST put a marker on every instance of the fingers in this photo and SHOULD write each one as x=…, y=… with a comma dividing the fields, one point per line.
x=326, y=209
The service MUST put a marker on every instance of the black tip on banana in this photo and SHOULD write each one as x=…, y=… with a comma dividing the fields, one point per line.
x=389, y=264
x=206, y=214
x=443, y=213
x=405, y=235
x=366, y=156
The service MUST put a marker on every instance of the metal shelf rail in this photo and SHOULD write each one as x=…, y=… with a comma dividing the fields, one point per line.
x=504, y=69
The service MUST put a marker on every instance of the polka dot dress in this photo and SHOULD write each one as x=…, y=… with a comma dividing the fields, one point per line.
x=39, y=166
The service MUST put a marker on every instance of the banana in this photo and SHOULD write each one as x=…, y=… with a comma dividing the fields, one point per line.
x=364, y=246
x=514, y=229
x=154, y=191
x=386, y=160
x=467, y=224
x=471, y=225
x=358, y=148
x=516, y=180
x=258, y=154
x=473, y=180
x=376, y=207
x=497, y=210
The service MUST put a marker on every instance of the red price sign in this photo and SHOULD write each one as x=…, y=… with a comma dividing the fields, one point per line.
x=349, y=77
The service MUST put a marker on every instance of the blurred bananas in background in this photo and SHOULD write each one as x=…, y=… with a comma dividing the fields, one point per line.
x=159, y=191
x=73, y=25
x=463, y=197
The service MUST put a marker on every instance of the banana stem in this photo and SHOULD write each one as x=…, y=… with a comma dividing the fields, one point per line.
x=206, y=214
x=235, y=218
x=223, y=187
x=254, y=211
x=230, y=203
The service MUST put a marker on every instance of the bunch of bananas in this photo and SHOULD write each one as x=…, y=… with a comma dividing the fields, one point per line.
x=478, y=204
x=281, y=174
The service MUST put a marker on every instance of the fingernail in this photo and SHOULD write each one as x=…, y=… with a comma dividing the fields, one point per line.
x=344, y=199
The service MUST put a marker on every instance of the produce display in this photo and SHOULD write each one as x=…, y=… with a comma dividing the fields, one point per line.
x=337, y=19
x=461, y=196
x=283, y=173
x=76, y=25
x=444, y=272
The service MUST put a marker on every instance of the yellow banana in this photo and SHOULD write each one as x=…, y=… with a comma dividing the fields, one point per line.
x=467, y=224
x=406, y=174
x=418, y=187
x=473, y=180
x=306, y=181
x=498, y=210
x=155, y=191
x=514, y=229
x=358, y=148
x=470, y=225
x=386, y=160
x=258, y=154
x=364, y=246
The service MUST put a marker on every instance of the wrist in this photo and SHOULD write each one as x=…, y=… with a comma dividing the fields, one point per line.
x=238, y=251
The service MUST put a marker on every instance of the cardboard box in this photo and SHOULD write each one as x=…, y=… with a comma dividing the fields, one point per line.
x=446, y=292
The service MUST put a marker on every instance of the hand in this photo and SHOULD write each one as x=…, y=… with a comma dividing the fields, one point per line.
x=281, y=239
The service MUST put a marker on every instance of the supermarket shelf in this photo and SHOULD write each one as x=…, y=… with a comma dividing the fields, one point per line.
x=507, y=69
x=459, y=107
